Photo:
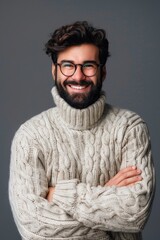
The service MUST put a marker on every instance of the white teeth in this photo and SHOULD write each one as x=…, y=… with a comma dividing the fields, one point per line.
x=77, y=87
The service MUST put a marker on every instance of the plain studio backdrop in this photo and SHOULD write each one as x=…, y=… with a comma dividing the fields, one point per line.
x=133, y=70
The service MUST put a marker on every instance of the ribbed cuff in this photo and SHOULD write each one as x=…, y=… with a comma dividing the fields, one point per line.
x=65, y=194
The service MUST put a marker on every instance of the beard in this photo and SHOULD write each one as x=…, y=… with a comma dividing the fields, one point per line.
x=80, y=100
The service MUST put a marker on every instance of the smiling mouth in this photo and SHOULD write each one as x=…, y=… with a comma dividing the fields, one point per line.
x=78, y=87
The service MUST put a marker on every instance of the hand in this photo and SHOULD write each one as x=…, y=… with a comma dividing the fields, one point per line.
x=50, y=194
x=125, y=177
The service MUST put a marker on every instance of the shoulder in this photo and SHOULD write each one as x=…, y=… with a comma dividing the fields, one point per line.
x=39, y=124
x=124, y=122
x=123, y=117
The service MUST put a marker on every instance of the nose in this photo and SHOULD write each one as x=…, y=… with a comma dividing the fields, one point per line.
x=78, y=75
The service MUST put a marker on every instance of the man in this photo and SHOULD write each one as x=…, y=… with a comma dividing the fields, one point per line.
x=81, y=170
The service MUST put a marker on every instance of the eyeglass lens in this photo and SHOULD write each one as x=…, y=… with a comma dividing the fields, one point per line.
x=89, y=68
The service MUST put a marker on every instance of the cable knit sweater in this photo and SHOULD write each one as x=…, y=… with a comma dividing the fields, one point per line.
x=78, y=151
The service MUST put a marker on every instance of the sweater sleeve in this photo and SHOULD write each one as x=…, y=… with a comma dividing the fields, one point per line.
x=36, y=218
x=114, y=208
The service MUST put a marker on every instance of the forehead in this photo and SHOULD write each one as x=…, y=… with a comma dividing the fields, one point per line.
x=80, y=53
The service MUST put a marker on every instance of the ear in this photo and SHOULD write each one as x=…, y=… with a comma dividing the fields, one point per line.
x=53, y=71
x=104, y=72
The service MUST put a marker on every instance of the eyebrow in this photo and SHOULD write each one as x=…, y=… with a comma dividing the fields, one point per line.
x=86, y=61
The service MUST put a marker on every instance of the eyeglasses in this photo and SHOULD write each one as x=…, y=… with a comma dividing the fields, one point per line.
x=89, y=69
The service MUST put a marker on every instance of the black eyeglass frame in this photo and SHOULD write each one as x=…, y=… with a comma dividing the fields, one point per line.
x=81, y=65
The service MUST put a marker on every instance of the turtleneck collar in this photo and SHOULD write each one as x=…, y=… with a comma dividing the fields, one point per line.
x=79, y=119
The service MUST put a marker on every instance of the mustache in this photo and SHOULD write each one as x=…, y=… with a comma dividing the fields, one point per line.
x=79, y=83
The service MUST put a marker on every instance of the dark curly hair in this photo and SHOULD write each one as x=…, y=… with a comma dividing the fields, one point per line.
x=76, y=34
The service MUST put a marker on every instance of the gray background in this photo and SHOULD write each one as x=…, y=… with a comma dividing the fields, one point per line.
x=133, y=29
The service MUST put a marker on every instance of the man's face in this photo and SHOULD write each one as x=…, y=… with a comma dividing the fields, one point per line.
x=79, y=90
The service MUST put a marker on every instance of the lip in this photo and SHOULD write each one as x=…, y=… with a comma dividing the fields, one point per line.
x=78, y=88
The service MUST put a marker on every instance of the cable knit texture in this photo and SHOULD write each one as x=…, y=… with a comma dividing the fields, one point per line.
x=78, y=151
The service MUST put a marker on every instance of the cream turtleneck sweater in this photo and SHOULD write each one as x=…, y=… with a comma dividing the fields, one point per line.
x=78, y=151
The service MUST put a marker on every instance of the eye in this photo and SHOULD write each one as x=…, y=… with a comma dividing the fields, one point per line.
x=89, y=65
x=67, y=65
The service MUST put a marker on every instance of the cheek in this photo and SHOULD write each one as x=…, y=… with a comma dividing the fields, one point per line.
x=61, y=79
x=96, y=79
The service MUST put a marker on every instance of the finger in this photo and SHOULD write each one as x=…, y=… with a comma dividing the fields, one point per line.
x=129, y=174
x=50, y=194
x=123, y=174
x=125, y=170
x=130, y=181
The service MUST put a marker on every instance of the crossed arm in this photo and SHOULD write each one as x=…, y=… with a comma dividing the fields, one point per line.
x=125, y=177
x=125, y=200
